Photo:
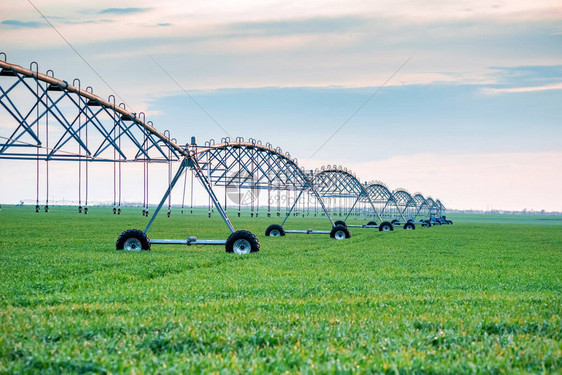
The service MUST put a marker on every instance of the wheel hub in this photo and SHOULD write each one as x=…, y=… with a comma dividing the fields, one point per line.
x=242, y=246
x=275, y=233
x=132, y=244
x=339, y=235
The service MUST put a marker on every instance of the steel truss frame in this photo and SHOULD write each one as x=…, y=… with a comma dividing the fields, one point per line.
x=408, y=206
x=338, y=182
x=381, y=195
x=253, y=165
x=422, y=207
x=436, y=212
x=432, y=208
x=115, y=135
x=86, y=128
x=82, y=126
x=405, y=202
x=441, y=210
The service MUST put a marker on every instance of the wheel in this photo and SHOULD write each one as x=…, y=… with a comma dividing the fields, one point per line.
x=395, y=222
x=275, y=230
x=242, y=242
x=385, y=227
x=426, y=224
x=410, y=221
x=450, y=222
x=372, y=223
x=133, y=240
x=339, y=232
x=409, y=226
x=340, y=222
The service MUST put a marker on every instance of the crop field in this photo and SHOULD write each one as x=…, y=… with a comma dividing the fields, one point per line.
x=481, y=295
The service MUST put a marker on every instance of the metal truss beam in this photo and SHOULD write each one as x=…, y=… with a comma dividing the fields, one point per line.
x=78, y=124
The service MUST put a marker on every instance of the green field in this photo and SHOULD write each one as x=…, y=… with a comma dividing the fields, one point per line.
x=478, y=296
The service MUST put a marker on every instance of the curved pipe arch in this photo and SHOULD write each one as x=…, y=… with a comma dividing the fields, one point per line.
x=83, y=101
x=337, y=183
x=250, y=165
x=380, y=194
x=422, y=205
x=405, y=202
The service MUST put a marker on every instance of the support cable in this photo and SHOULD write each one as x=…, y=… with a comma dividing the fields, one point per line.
x=79, y=152
x=269, y=199
x=114, y=166
x=75, y=50
x=361, y=106
x=120, y=176
x=47, y=151
x=169, y=177
x=147, y=187
x=279, y=202
x=86, y=165
x=38, y=148
x=191, y=207
x=209, y=179
x=239, y=182
x=252, y=192
x=315, y=206
x=225, y=200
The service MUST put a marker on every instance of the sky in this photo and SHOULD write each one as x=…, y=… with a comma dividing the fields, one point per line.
x=473, y=117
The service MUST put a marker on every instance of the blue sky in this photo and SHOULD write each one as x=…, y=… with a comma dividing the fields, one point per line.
x=485, y=82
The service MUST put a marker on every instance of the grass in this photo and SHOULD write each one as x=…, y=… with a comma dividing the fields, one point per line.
x=472, y=297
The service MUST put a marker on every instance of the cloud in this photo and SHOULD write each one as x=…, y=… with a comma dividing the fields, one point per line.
x=317, y=25
x=528, y=74
x=86, y=22
x=491, y=91
x=23, y=24
x=521, y=79
x=123, y=11
x=510, y=181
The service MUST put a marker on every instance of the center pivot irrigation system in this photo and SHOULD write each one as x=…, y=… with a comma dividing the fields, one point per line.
x=58, y=121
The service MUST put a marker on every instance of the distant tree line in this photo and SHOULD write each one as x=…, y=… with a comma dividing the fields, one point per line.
x=505, y=212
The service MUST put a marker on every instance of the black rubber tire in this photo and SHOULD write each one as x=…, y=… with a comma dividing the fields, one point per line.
x=340, y=222
x=274, y=227
x=450, y=222
x=384, y=225
x=409, y=226
x=242, y=235
x=133, y=233
x=339, y=228
x=410, y=221
x=395, y=222
x=426, y=224
x=372, y=223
